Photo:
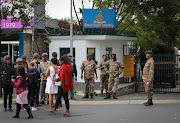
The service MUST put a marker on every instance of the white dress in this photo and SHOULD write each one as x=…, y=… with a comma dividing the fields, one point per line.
x=50, y=87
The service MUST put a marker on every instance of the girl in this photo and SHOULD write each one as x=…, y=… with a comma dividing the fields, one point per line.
x=22, y=92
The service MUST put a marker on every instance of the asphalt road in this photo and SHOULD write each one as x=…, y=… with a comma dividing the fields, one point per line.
x=124, y=113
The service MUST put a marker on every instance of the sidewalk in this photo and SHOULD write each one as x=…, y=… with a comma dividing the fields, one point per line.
x=136, y=98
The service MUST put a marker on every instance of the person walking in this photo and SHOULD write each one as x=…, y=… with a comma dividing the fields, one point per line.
x=74, y=75
x=104, y=75
x=115, y=69
x=65, y=77
x=20, y=84
x=51, y=88
x=89, y=67
x=34, y=77
x=42, y=69
x=148, y=77
x=7, y=69
x=36, y=65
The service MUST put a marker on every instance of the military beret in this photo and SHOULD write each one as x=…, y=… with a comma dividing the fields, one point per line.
x=149, y=52
x=44, y=54
x=36, y=55
x=90, y=54
x=23, y=57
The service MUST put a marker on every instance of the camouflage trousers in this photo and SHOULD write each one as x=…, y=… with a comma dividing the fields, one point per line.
x=113, y=84
x=89, y=85
x=148, y=89
x=43, y=87
x=104, y=82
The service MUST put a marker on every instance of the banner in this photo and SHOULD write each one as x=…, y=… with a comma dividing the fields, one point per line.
x=99, y=18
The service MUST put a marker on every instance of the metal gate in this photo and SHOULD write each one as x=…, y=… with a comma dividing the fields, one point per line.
x=166, y=70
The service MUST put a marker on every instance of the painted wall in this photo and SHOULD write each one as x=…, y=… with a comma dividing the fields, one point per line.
x=81, y=45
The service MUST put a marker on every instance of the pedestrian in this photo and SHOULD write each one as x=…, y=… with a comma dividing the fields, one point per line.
x=104, y=75
x=65, y=76
x=20, y=84
x=36, y=65
x=74, y=75
x=89, y=67
x=33, y=81
x=7, y=69
x=19, y=62
x=148, y=77
x=25, y=64
x=42, y=69
x=51, y=88
x=115, y=69
x=54, y=55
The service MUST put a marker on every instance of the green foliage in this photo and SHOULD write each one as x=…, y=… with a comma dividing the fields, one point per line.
x=46, y=39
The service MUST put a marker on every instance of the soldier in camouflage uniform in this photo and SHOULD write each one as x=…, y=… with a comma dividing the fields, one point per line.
x=148, y=77
x=104, y=75
x=115, y=69
x=89, y=68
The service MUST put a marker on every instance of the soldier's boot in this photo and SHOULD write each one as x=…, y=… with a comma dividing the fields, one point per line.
x=108, y=96
x=114, y=96
x=146, y=102
x=150, y=102
x=85, y=96
x=92, y=96
x=101, y=94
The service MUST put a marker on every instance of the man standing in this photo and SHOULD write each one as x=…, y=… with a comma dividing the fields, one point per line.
x=74, y=73
x=54, y=55
x=89, y=68
x=104, y=75
x=42, y=69
x=148, y=77
x=19, y=62
x=115, y=69
x=25, y=64
x=7, y=72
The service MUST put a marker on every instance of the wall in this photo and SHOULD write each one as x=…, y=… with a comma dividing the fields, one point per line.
x=81, y=44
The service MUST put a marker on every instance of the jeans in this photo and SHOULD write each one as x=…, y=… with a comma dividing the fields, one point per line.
x=8, y=91
x=59, y=96
x=72, y=91
x=31, y=95
x=37, y=95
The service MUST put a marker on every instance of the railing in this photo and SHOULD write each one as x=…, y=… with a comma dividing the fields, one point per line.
x=66, y=32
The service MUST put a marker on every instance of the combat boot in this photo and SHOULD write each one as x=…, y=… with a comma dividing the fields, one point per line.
x=108, y=96
x=146, y=102
x=92, y=96
x=150, y=102
x=85, y=96
x=114, y=96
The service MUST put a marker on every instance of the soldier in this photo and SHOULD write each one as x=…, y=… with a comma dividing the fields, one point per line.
x=114, y=72
x=104, y=75
x=148, y=77
x=89, y=68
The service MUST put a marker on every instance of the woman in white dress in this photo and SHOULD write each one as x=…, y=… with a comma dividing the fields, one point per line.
x=51, y=88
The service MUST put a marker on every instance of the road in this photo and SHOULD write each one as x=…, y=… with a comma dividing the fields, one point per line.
x=120, y=113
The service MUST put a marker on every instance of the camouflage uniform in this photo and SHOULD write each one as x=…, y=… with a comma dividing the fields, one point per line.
x=89, y=67
x=42, y=69
x=114, y=67
x=148, y=77
x=104, y=75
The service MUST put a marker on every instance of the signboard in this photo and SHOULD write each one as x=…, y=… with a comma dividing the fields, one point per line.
x=99, y=18
x=128, y=66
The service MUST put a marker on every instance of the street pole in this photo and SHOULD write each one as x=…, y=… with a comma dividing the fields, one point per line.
x=71, y=30
x=0, y=54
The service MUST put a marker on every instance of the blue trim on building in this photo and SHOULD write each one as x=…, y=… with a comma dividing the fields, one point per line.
x=21, y=40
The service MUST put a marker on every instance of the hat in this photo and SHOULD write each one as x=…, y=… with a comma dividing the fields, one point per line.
x=36, y=55
x=44, y=54
x=23, y=57
x=69, y=55
x=90, y=54
x=19, y=60
x=149, y=52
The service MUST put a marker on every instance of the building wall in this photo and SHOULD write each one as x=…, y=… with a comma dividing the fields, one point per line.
x=81, y=50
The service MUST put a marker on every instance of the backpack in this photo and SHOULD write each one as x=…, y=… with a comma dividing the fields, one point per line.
x=32, y=79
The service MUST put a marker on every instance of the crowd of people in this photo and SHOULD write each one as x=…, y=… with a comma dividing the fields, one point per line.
x=53, y=79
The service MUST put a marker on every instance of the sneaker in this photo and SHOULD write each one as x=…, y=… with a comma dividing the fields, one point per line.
x=34, y=109
x=73, y=98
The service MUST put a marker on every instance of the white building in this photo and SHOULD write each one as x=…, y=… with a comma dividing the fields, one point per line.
x=84, y=44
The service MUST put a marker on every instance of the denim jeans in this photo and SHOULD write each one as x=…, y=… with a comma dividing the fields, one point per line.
x=8, y=91
x=72, y=91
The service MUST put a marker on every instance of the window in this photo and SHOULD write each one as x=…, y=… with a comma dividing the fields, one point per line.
x=4, y=51
x=108, y=53
x=65, y=51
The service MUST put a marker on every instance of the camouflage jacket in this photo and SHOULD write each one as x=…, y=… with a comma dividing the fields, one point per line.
x=42, y=69
x=105, y=69
x=89, y=67
x=148, y=71
x=115, y=67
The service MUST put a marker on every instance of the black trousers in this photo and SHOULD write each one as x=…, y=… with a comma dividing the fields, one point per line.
x=31, y=95
x=8, y=91
x=37, y=95
x=26, y=106
x=60, y=95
